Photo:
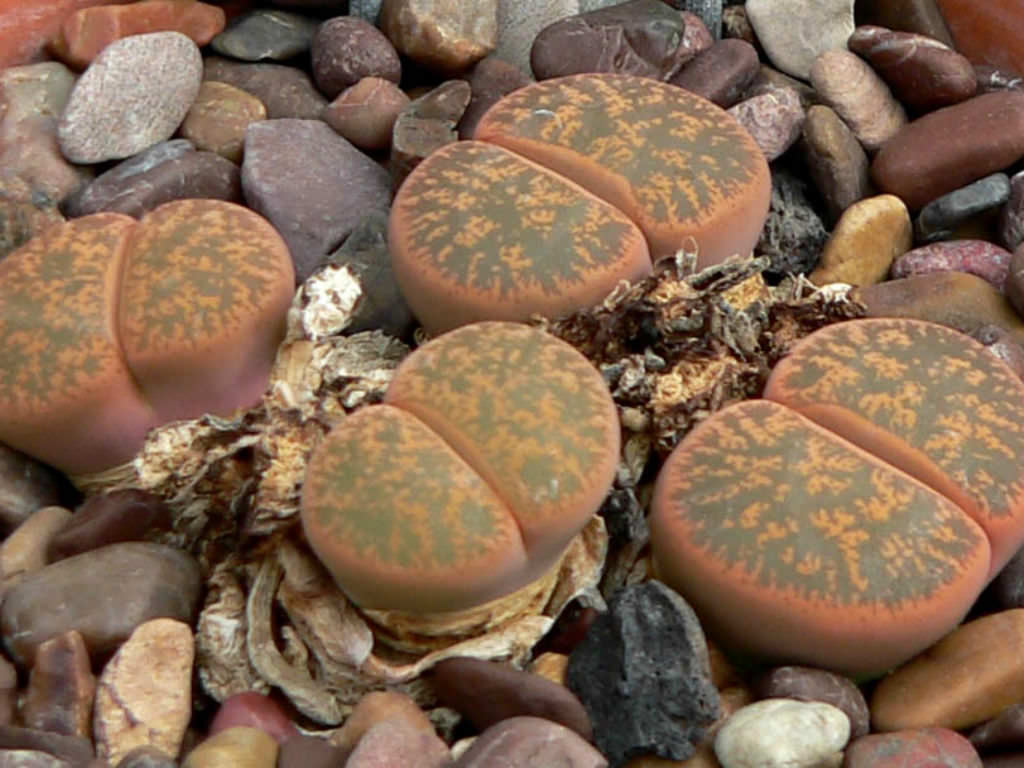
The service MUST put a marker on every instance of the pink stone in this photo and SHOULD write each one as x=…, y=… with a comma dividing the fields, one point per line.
x=977, y=257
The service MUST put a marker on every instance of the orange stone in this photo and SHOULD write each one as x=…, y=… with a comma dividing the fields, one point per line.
x=86, y=32
x=27, y=26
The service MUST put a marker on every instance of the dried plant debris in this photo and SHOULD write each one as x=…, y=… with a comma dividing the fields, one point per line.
x=672, y=348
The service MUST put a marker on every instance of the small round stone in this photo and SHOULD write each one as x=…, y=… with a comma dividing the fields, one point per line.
x=347, y=49
x=782, y=733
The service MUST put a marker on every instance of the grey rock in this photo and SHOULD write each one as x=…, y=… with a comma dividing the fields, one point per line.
x=25, y=486
x=382, y=306
x=1011, y=217
x=104, y=595
x=346, y=49
x=365, y=9
x=311, y=184
x=530, y=742
x=285, y=91
x=810, y=684
x=74, y=750
x=170, y=170
x=720, y=74
x=638, y=37
x=941, y=216
x=644, y=676
x=793, y=234
x=133, y=95
x=266, y=34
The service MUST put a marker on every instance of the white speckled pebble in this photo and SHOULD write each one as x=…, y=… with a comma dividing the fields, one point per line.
x=133, y=95
x=783, y=733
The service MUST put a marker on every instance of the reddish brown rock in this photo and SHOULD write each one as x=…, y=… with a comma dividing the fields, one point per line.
x=921, y=17
x=365, y=113
x=380, y=707
x=107, y=518
x=977, y=257
x=986, y=33
x=284, y=91
x=522, y=741
x=26, y=28
x=720, y=74
x=255, y=710
x=938, y=747
x=951, y=147
x=86, y=32
x=923, y=73
x=393, y=743
x=347, y=49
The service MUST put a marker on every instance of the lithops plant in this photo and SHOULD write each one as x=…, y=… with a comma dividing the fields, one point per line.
x=852, y=517
x=571, y=185
x=110, y=326
x=494, y=446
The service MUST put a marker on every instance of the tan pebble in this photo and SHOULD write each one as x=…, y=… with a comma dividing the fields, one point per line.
x=850, y=86
x=145, y=691
x=25, y=549
x=379, y=707
x=551, y=666
x=365, y=113
x=238, y=747
x=219, y=117
x=969, y=676
x=868, y=237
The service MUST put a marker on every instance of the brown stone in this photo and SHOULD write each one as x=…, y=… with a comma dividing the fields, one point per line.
x=86, y=32
x=446, y=36
x=836, y=161
x=866, y=240
x=919, y=16
x=107, y=518
x=310, y=752
x=25, y=486
x=365, y=113
x=969, y=676
x=347, y=49
x=284, y=91
x=951, y=147
x=61, y=688
x=24, y=551
x=219, y=117
x=144, y=696
x=8, y=692
x=720, y=74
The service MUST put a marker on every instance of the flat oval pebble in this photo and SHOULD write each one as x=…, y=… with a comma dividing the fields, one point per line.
x=968, y=677
x=528, y=742
x=837, y=163
x=932, y=747
x=976, y=257
x=923, y=73
x=939, y=219
x=782, y=733
x=951, y=147
x=136, y=93
x=869, y=236
x=106, y=593
x=266, y=34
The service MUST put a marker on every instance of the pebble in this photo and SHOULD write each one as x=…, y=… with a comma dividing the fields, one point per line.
x=869, y=236
x=444, y=36
x=219, y=117
x=381, y=306
x=255, y=710
x=144, y=695
x=774, y=119
x=61, y=688
x=170, y=170
x=393, y=743
x=978, y=257
x=933, y=747
x=637, y=37
x=969, y=676
x=106, y=594
x=237, y=747
x=426, y=124
x=722, y=73
x=643, y=674
x=284, y=91
x=860, y=97
x=304, y=751
x=918, y=16
x=1011, y=216
x=266, y=34
x=939, y=219
x=951, y=147
x=487, y=692
x=811, y=684
x=1003, y=732
x=32, y=99
x=783, y=733
x=520, y=22
x=87, y=31
x=986, y=34
x=922, y=73
x=529, y=742
x=24, y=550
x=955, y=299
x=836, y=161
x=489, y=80
x=135, y=94
x=25, y=486
x=72, y=749
x=380, y=707
x=365, y=113
x=346, y=49
x=794, y=32
x=311, y=184
x=107, y=518
x=793, y=234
